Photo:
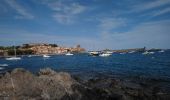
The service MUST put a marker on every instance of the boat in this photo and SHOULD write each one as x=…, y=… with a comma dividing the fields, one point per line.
x=69, y=54
x=94, y=53
x=105, y=54
x=146, y=53
x=151, y=52
x=15, y=57
x=29, y=55
x=3, y=65
x=109, y=52
x=161, y=51
x=122, y=53
x=46, y=56
x=1, y=68
x=131, y=52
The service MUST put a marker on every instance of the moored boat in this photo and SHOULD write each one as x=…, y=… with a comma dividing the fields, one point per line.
x=146, y=53
x=15, y=57
x=94, y=53
x=122, y=53
x=161, y=51
x=131, y=52
x=69, y=54
x=46, y=56
x=105, y=54
x=3, y=65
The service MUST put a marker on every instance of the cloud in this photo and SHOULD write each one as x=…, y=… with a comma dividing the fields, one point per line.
x=65, y=13
x=23, y=13
x=150, y=5
x=161, y=12
x=112, y=23
x=8, y=37
x=108, y=24
x=153, y=34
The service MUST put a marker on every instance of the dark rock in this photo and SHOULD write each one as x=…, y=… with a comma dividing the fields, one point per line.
x=20, y=84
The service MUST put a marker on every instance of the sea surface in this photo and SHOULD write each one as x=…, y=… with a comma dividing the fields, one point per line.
x=134, y=66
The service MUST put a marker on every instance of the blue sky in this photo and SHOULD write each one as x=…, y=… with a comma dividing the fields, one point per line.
x=94, y=24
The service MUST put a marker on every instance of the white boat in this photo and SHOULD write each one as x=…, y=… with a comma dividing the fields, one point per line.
x=46, y=56
x=69, y=54
x=109, y=52
x=3, y=65
x=161, y=51
x=94, y=53
x=145, y=53
x=105, y=54
x=1, y=68
x=122, y=53
x=151, y=52
x=132, y=52
x=15, y=57
x=29, y=55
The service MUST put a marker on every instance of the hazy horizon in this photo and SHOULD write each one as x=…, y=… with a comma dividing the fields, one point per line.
x=94, y=24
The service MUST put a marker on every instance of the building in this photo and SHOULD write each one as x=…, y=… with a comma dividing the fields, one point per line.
x=50, y=48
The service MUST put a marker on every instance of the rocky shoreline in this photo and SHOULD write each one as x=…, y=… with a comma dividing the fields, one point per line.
x=48, y=84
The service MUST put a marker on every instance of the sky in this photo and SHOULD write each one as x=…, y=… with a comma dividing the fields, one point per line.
x=94, y=24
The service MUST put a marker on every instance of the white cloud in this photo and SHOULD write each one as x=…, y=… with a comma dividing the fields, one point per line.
x=20, y=10
x=161, y=12
x=63, y=18
x=108, y=24
x=65, y=13
x=112, y=23
x=150, y=5
x=8, y=37
x=150, y=34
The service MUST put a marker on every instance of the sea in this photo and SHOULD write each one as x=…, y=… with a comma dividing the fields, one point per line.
x=129, y=66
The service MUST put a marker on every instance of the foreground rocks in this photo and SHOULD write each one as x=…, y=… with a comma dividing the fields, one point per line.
x=50, y=85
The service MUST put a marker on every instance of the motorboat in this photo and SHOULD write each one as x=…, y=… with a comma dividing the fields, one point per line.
x=105, y=54
x=69, y=54
x=109, y=52
x=94, y=53
x=132, y=52
x=161, y=51
x=1, y=68
x=122, y=53
x=46, y=56
x=146, y=52
x=13, y=58
x=3, y=65
x=151, y=52
x=29, y=55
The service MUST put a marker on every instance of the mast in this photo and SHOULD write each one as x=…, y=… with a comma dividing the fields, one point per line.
x=15, y=51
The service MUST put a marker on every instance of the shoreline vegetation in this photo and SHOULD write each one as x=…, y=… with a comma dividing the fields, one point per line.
x=48, y=84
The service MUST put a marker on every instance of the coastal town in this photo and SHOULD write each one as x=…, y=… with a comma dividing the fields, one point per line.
x=54, y=49
x=39, y=49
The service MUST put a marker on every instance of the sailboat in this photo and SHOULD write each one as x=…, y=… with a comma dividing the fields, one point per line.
x=15, y=57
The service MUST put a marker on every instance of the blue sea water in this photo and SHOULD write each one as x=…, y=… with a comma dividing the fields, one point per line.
x=126, y=66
